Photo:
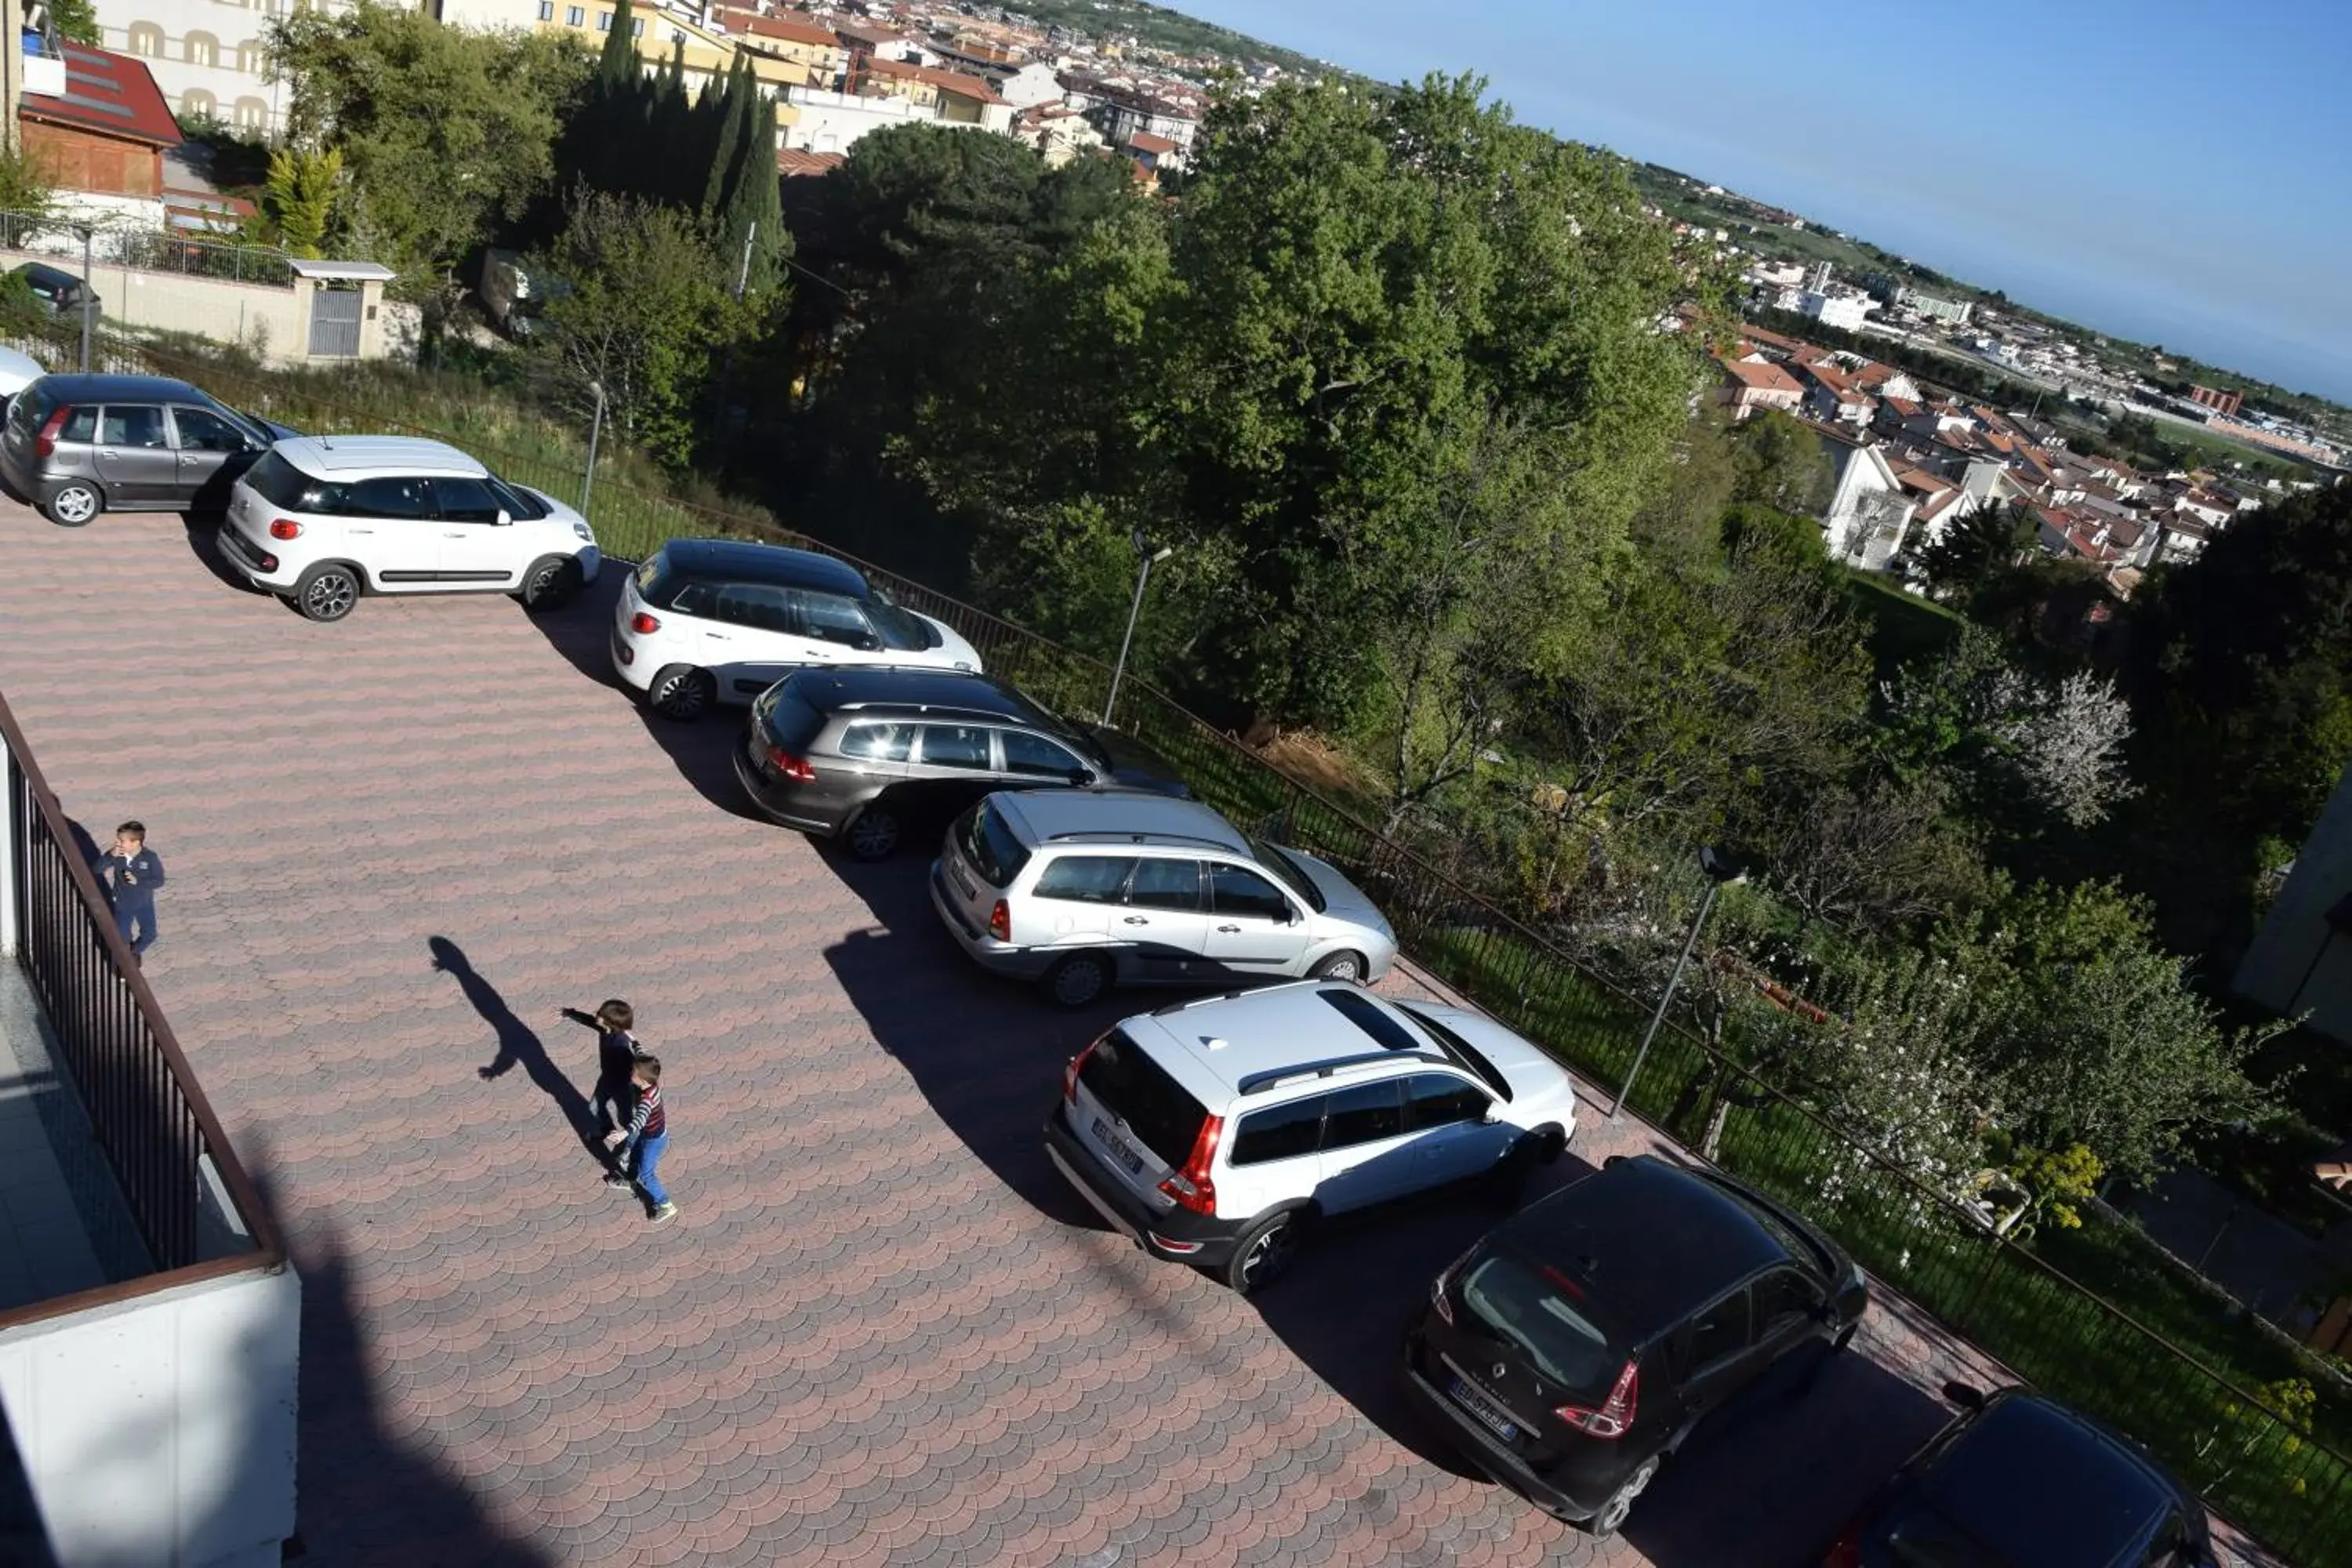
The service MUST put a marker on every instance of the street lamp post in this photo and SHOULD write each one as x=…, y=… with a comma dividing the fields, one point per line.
x=87, y=299
x=595, y=432
x=1146, y=552
x=1720, y=874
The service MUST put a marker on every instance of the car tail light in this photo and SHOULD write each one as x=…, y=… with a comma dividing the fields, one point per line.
x=1078, y=1065
x=1191, y=1187
x=643, y=624
x=1615, y=1416
x=1000, y=921
x=788, y=766
x=269, y=564
x=46, y=442
x=285, y=528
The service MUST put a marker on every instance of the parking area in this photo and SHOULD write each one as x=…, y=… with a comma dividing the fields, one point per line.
x=882, y=1330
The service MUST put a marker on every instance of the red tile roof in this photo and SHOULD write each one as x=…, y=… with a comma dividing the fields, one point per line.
x=787, y=30
x=108, y=93
x=1145, y=142
x=1762, y=377
x=956, y=82
x=791, y=162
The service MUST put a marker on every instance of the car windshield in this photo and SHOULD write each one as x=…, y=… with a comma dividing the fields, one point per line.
x=1076, y=737
x=901, y=629
x=521, y=504
x=255, y=429
x=1465, y=1054
x=1530, y=1306
x=1285, y=865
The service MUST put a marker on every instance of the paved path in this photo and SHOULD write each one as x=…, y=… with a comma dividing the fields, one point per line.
x=882, y=1331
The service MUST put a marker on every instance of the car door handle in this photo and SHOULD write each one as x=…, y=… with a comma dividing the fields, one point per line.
x=1229, y=928
x=717, y=636
x=457, y=535
x=359, y=530
x=1137, y=921
x=108, y=452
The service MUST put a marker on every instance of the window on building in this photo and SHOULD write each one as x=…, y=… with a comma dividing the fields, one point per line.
x=603, y=21
x=249, y=57
x=197, y=104
x=575, y=16
x=546, y=10
x=147, y=38
x=200, y=50
x=637, y=28
x=252, y=114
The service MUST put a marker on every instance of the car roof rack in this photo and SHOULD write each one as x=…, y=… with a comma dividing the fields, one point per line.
x=1273, y=1078
x=1105, y=835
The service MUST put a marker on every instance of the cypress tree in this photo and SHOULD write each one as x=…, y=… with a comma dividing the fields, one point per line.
x=755, y=203
x=733, y=125
x=617, y=76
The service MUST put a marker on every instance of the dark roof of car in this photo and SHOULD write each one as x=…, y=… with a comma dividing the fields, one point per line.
x=79, y=388
x=905, y=686
x=2046, y=1488
x=767, y=564
x=52, y=275
x=1649, y=1242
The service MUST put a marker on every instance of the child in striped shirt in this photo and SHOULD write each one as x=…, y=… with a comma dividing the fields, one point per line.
x=645, y=1138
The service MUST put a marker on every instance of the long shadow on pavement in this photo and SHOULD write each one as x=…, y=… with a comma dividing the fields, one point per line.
x=703, y=749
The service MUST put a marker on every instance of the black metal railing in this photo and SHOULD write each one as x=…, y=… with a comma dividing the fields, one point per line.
x=2276, y=1472
x=147, y=1116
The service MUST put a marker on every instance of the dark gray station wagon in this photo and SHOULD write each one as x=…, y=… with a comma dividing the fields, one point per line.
x=77, y=446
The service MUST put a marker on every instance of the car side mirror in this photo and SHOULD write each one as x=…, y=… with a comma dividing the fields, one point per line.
x=503, y=518
x=868, y=642
x=1080, y=778
x=1965, y=1397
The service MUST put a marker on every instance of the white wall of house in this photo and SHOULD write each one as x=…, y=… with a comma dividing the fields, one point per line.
x=826, y=122
x=205, y=55
x=161, y=1431
x=1869, y=515
x=1029, y=86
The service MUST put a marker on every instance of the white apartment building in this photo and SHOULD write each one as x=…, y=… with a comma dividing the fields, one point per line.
x=205, y=55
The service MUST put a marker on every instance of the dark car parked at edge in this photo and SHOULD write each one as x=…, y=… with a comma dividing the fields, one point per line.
x=869, y=753
x=1577, y=1345
x=77, y=446
x=2021, y=1482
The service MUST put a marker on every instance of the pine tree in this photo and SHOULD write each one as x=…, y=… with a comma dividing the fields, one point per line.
x=618, y=73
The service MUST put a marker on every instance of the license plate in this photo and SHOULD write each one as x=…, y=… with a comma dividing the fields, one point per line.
x=1118, y=1149
x=1494, y=1420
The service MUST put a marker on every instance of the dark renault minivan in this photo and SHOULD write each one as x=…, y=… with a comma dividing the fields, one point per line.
x=1577, y=1345
x=869, y=753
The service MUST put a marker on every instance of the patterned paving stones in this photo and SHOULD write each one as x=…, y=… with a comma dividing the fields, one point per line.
x=881, y=1331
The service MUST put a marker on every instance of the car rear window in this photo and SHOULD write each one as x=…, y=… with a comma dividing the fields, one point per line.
x=990, y=845
x=280, y=483
x=787, y=717
x=1128, y=1083
x=1535, y=1308
x=32, y=406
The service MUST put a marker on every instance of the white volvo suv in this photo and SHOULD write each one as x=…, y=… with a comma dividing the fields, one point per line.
x=321, y=520
x=1215, y=1132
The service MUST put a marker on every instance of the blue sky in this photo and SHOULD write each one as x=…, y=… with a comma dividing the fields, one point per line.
x=2174, y=170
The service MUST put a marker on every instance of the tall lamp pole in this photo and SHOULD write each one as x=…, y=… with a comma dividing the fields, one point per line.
x=89, y=299
x=1720, y=874
x=1147, y=554
x=595, y=432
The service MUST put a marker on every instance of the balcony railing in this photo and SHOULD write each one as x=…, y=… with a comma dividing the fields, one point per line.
x=197, y=1214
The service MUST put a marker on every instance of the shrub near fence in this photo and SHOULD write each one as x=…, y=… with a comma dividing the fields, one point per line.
x=2250, y=1460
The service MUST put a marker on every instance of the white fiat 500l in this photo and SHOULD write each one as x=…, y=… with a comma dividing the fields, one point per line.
x=720, y=620
x=321, y=520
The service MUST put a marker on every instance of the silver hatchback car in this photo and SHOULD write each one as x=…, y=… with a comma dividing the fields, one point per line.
x=77, y=446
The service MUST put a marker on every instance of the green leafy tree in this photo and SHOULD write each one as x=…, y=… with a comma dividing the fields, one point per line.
x=1977, y=549
x=1780, y=464
x=645, y=311
x=300, y=195
x=77, y=20
x=447, y=133
x=2092, y=1034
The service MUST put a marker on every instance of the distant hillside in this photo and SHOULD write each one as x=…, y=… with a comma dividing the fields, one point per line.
x=1158, y=28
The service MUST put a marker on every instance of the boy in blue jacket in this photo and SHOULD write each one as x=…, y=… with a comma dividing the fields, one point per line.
x=129, y=872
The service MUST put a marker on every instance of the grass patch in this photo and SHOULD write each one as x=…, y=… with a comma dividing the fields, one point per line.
x=1900, y=626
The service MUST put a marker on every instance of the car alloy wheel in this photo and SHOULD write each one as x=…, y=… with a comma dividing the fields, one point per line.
x=73, y=506
x=1348, y=966
x=681, y=693
x=1075, y=982
x=329, y=594
x=873, y=836
x=1621, y=1501
x=1266, y=1254
x=550, y=584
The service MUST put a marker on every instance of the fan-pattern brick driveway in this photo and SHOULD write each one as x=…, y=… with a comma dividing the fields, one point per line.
x=881, y=1332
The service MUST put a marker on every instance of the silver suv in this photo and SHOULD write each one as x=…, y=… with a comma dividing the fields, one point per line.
x=77, y=446
x=1088, y=889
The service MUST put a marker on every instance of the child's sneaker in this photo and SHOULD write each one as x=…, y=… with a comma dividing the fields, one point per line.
x=665, y=1214
x=619, y=1181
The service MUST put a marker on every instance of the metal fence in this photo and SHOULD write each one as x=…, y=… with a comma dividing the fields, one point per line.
x=2255, y=1463
x=147, y=249
x=150, y=1120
